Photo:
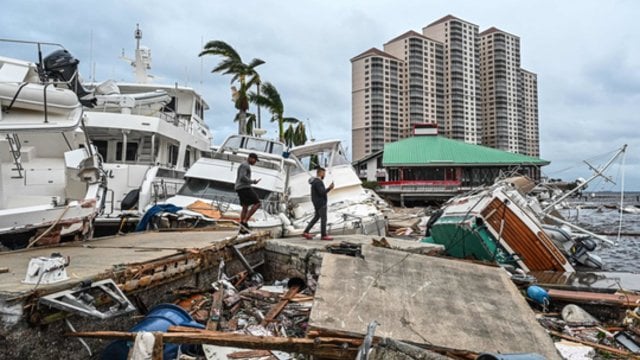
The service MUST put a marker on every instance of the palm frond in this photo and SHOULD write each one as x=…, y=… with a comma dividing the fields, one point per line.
x=290, y=120
x=221, y=48
x=255, y=63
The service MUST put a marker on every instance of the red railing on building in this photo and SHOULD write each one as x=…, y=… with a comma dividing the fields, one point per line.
x=421, y=183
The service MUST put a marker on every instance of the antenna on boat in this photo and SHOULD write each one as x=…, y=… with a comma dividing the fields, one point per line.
x=597, y=173
x=311, y=139
x=142, y=61
x=91, y=65
x=201, y=60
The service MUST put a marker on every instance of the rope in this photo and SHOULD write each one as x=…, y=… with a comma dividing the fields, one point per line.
x=624, y=155
x=15, y=97
x=49, y=229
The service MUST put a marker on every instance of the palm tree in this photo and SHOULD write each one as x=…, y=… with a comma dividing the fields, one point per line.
x=295, y=136
x=270, y=99
x=244, y=74
x=250, y=122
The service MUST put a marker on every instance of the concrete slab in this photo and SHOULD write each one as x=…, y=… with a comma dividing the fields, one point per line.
x=94, y=257
x=426, y=299
x=300, y=244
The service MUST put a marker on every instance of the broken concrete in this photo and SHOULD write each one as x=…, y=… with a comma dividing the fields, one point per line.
x=426, y=300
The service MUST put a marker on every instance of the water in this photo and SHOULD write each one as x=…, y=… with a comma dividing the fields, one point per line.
x=600, y=215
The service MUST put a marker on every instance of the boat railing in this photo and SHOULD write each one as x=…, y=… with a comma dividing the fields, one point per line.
x=265, y=162
x=224, y=202
x=420, y=186
x=163, y=189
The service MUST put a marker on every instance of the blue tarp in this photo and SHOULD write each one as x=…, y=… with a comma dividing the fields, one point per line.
x=144, y=222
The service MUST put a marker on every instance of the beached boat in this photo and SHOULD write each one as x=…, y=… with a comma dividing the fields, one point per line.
x=209, y=192
x=148, y=135
x=503, y=224
x=496, y=224
x=351, y=209
x=51, y=180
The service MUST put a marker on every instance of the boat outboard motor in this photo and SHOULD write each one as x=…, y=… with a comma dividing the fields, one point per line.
x=60, y=65
x=581, y=253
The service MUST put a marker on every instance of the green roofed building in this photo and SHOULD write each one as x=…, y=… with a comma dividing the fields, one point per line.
x=428, y=166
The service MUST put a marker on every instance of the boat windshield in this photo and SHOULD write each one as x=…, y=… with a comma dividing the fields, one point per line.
x=254, y=144
x=215, y=190
x=323, y=159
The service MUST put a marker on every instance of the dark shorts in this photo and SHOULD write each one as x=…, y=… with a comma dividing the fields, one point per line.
x=247, y=197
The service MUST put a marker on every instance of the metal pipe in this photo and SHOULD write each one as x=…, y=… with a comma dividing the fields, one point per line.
x=576, y=227
x=153, y=148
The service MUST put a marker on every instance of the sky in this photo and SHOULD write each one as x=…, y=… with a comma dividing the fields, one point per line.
x=586, y=55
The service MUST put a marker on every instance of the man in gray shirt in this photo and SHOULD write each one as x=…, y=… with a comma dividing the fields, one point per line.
x=246, y=194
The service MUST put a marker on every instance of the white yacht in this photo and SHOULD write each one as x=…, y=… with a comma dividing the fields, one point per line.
x=51, y=182
x=148, y=135
x=209, y=193
x=350, y=208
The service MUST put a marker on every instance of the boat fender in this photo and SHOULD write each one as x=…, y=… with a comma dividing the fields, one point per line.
x=538, y=294
x=285, y=220
x=130, y=200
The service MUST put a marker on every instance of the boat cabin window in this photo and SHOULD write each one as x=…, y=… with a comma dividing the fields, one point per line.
x=173, y=155
x=257, y=145
x=320, y=159
x=277, y=149
x=132, y=150
x=199, y=109
x=187, y=158
x=233, y=143
x=171, y=106
x=253, y=144
x=215, y=190
x=340, y=158
x=101, y=146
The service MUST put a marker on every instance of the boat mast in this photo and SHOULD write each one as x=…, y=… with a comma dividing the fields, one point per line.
x=142, y=61
x=597, y=173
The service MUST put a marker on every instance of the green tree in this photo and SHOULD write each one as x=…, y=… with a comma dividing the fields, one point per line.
x=250, y=122
x=271, y=100
x=244, y=74
x=295, y=136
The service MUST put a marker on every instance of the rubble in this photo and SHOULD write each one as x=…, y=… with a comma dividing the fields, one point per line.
x=574, y=315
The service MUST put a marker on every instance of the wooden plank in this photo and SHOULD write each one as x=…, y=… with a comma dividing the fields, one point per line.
x=600, y=347
x=320, y=347
x=277, y=309
x=158, y=346
x=623, y=300
x=535, y=249
x=215, y=313
x=248, y=354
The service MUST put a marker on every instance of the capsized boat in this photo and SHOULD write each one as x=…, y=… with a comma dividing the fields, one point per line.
x=351, y=209
x=504, y=224
x=208, y=193
x=51, y=181
x=496, y=224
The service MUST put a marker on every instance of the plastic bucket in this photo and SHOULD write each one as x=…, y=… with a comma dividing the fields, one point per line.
x=158, y=319
x=522, y=356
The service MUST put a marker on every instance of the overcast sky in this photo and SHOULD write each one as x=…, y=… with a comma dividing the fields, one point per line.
x=586, y=55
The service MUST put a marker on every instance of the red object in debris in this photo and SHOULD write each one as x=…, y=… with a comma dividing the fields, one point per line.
x=327, y=238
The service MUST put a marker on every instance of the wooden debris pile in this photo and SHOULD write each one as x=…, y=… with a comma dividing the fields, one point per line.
x=582, y=333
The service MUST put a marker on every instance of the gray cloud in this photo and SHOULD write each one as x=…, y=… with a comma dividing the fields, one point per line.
x=585, y=54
